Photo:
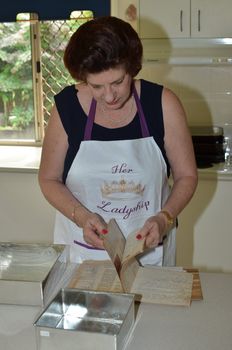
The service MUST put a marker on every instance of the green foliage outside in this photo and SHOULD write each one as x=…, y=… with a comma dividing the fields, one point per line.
x=54, y=38
x=15, y=75
x=16, y=87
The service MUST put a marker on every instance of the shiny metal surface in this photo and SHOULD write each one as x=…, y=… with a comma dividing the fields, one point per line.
x=24, y=269
x=106, y=317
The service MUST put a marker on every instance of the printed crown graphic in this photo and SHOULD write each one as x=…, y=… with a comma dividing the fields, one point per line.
x=114, y=188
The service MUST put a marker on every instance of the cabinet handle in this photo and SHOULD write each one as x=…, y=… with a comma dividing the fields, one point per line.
x=181, y=20
x=199, y=20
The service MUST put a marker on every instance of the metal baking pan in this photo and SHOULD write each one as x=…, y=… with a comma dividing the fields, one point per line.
x=85, y=320
x=25, y=270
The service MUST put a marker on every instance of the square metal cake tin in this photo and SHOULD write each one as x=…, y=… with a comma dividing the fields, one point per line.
x=86, y=320
x=25, y=269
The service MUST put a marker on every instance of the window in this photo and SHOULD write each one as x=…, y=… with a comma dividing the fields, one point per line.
x=31, y=72
x=31, y=68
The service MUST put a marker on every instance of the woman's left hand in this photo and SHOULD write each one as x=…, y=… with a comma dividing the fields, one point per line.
x=153, y=231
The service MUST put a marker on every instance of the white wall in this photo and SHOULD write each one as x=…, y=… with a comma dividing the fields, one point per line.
x=25, y=216
x=204, y=237
x=205, y=90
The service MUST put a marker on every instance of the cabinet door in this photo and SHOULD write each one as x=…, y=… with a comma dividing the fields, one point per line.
x=164, y=18
x=211, y=18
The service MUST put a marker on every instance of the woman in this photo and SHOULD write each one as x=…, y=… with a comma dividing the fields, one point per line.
x=110, y=145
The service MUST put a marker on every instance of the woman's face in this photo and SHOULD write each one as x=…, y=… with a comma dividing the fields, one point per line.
x=111, y=88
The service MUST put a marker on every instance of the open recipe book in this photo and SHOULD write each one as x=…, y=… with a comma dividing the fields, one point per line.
x=123, y=273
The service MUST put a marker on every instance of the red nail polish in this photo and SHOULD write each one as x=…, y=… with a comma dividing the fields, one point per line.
x=138, y=236
x=104, y=231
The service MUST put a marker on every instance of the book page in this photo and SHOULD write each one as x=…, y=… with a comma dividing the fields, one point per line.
x=128, y=273
x=133, y=246
x=119, y=247
x=122, y=253
x=96, y=275
x=163, y=286
x=114, y=243
x=159, y=285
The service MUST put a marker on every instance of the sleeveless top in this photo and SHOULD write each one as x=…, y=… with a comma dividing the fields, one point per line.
x=74, y=120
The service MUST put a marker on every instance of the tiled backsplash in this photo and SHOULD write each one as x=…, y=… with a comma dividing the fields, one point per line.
x=204, y=90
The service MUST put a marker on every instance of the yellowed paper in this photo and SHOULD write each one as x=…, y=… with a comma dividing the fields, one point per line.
x=128, y=273
x=119, y=248
x=163, y=286
x=133, y=247
x=114, y=243
x=96, y=275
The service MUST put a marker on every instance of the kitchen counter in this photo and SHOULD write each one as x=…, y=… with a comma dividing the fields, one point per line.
x=205, y=325
x=19, y=159
x=217, y=171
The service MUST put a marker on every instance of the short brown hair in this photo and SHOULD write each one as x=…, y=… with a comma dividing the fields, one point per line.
x=101, y=44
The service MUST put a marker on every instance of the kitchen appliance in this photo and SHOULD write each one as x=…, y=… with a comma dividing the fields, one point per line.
x=208, y=143
x=228, y=146
x=80, y=319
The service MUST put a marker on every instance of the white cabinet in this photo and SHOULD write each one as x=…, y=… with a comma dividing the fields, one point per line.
x=211, y=18
x=180, y=18
x=164, y=18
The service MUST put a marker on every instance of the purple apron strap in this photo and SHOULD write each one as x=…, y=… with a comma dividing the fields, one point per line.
x=91, y=116
x=86, y=245
x=90, y=120
x=142, y=119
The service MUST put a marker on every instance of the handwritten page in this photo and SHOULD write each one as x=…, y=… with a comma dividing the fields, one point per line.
x=163, y=286
x=96, y=275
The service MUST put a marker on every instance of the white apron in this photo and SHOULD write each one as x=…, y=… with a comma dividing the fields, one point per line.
x=125, y=180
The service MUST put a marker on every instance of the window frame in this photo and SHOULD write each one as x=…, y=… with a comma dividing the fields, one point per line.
x=48, y=12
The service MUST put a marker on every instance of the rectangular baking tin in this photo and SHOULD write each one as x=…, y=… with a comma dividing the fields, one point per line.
x=86, y=320
x=25, y=269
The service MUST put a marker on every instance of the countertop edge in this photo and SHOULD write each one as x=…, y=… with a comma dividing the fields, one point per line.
x=26, y=159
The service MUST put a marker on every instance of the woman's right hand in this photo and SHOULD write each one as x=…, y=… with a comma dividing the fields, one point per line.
x=93, y=226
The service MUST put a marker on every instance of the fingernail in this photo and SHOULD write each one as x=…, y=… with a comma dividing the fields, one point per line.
x=104, y=231
x=138, y=236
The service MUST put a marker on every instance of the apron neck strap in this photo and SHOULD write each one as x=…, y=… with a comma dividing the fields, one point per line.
x=142, y=119
x=90, y=120
x=92, y=111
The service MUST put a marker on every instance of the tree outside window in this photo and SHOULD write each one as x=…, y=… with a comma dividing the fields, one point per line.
x=31, y=73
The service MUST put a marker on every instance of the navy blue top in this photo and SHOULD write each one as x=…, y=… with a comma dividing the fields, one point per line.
x=74, y=120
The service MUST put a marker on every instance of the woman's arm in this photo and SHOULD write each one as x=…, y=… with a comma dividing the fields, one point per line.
x=54, y=150
x=180, y=153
